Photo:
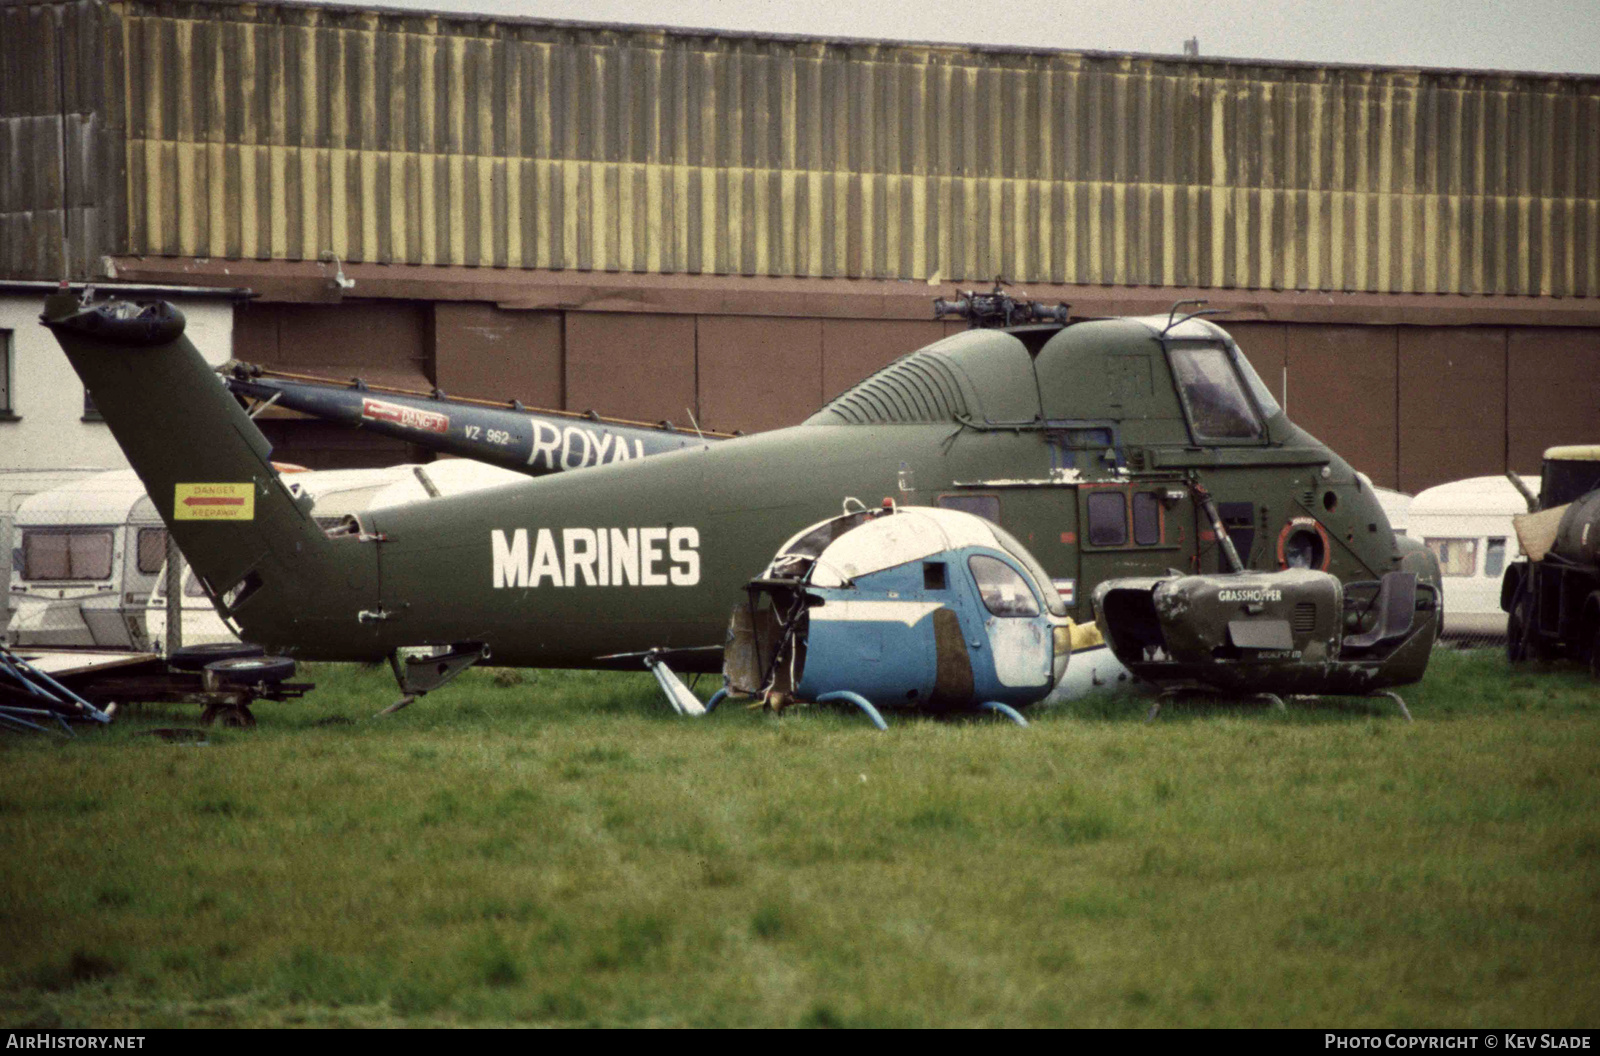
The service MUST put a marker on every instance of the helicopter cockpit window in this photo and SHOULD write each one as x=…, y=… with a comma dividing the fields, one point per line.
x=1258, y=388
x=1025, y=558
x=1004, y=591
x=1219, y=409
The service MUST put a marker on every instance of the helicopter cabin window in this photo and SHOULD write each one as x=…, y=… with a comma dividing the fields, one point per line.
x=820, y=538
x=985, y=506
x=1004, y=591
x=1108, y=519
x=1457, y=557
x=933, y=575
x=1218, y=407
x=1146, y=518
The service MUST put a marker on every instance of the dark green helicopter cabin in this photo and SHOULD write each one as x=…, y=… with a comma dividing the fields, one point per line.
x=1084, y=441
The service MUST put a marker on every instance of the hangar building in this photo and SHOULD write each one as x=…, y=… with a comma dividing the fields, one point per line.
x=653, y=223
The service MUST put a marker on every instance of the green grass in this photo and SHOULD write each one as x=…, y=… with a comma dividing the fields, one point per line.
x=555, y=848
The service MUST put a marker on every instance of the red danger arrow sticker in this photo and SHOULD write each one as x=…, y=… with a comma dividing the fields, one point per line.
x=410, y=417
x=215, y=502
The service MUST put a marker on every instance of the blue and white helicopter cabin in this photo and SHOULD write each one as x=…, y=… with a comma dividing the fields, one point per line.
x=915, y=608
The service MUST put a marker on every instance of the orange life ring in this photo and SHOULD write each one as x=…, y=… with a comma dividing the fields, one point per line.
x=1296, y=523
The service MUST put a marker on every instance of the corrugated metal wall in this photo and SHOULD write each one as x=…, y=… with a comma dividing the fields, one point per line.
x=286, y=132
x=61, y=86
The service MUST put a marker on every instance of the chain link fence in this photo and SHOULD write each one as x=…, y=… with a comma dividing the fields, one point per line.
x=87, y=567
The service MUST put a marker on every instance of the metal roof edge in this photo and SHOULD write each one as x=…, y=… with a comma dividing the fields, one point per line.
x=236, y=293
x=382, y=10
x=842, y=298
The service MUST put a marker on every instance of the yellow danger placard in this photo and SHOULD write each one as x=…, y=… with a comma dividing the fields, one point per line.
x=215, y=502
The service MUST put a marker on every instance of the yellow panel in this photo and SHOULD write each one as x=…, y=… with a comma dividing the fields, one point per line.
x=215, y=502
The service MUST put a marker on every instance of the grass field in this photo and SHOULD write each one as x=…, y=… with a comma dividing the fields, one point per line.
x=554, y=848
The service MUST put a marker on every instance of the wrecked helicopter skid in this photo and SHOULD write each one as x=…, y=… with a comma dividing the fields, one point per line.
x=1265, y=633
x=1298, y=631
x=1088, y=441
x=910, y=608
x=529, y=440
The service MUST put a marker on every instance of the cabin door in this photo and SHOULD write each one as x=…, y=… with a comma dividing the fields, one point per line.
x=1134, y=528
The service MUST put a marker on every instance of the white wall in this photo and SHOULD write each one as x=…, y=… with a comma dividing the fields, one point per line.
x=47, y=397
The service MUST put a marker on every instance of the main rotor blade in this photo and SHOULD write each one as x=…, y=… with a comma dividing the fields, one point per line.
x=528, y=440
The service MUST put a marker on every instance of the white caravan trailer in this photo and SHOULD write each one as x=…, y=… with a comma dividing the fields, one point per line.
x=15, y=487
x=87, y=556
x=1467, y=525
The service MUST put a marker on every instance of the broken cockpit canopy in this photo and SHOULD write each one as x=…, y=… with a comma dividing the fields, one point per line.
x=837, y=554
x=931, y=610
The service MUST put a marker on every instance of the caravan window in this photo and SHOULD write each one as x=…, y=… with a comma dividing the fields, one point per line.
x=1494, y=559
x=152, y=550
x=82, y=554
x=1457, y=557
x=1218, y=406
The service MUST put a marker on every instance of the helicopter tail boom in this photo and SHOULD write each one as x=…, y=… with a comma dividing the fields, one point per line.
x=206, y=467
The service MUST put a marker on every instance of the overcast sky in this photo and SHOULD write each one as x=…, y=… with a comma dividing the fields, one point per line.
x=1556, y=36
